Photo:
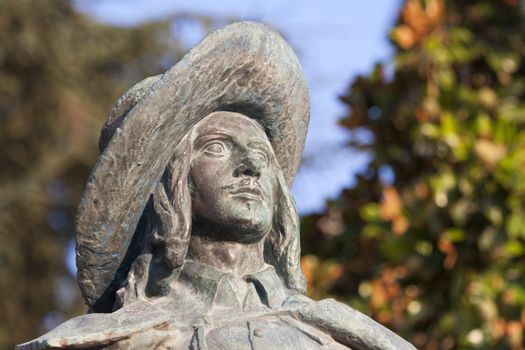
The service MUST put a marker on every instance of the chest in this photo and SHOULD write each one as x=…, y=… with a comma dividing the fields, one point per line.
x=242, y=333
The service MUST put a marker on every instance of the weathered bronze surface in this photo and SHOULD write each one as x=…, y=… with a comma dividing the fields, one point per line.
x=187, y=234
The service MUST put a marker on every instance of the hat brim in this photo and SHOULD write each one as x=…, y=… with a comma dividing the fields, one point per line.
x=244, y=67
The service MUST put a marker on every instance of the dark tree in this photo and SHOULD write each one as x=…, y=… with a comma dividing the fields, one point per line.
x=60, y=71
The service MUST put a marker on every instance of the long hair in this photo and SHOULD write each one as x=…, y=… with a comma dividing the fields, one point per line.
x=165, y=228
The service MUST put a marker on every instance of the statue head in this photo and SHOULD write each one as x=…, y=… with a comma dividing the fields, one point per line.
x=223, y=182
x=208, y=148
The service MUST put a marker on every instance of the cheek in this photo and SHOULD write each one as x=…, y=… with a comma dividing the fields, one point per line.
x=269, y=185
x=207, y=178
x=206, y=175
x=199, y=173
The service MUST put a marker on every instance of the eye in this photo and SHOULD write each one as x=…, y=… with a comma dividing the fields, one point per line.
x=215, y=148
x=261, y=156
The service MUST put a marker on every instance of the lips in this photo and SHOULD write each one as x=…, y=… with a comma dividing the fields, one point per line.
x=247, y=191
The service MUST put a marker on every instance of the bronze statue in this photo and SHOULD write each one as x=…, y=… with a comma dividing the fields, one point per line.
x=187, y=234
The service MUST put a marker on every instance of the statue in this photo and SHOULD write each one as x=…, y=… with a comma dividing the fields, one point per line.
x=187, y=234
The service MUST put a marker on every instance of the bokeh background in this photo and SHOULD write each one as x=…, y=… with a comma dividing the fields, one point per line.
x=412, y=183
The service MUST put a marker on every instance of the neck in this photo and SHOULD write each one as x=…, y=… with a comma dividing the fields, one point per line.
x=238, y=259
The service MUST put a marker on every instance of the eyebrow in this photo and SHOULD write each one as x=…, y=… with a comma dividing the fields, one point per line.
x=261, y=145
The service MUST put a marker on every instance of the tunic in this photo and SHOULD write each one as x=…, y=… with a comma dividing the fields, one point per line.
x=204, y=311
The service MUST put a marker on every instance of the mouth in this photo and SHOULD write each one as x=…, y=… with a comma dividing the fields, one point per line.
x=247, y=192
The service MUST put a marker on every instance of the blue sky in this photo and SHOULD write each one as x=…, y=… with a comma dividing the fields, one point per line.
x=334, y=39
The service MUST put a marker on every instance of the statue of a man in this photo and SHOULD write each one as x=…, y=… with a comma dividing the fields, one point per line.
x=187, y=234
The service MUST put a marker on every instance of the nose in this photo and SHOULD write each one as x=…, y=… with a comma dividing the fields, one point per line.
x=249, y=167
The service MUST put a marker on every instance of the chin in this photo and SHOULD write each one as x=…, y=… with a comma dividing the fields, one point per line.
x=250, y=228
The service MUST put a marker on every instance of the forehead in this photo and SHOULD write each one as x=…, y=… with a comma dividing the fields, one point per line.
x=236, y=125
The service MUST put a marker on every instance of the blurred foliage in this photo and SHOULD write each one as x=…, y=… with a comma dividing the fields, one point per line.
x=60, y=72
x=431, y=240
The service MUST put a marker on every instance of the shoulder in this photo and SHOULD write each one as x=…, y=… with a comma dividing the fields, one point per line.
x=347, y=325
x=95, y=330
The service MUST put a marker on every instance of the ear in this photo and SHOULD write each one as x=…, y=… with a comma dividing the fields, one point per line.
x=283, y=246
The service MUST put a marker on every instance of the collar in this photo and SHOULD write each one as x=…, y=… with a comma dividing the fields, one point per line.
x=214, y=287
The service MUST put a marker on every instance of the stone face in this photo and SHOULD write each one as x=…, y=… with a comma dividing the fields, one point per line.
x=187, y=234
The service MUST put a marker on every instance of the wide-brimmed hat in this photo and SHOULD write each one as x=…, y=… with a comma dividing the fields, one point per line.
x=245, y=67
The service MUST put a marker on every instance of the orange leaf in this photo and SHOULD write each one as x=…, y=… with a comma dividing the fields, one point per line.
x=515, y=334
x=400, y=225
x=404, y=36
x=390, y=207
x=435, y=10
x=415, y=16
